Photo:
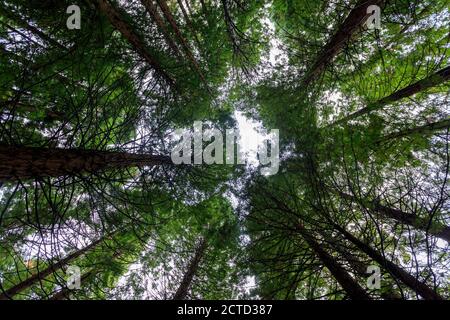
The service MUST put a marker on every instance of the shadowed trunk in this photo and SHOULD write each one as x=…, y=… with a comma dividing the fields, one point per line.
x=433, y=80
x=353, y=289
x=435, y=229
x=27, y=283
x=123, y=27
x=361, y=269
x=65, y=292
x=166, y=11
x=422, y=130
x=188, y=23
x=419, y=287
x=32, y=162
x=354, y=21
x=192, y=268
x=153, y=11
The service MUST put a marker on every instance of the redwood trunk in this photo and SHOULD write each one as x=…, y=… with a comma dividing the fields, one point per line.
x=353, y=289
x=419, y=287
x=360, y=268
x=65, y=292
x=153, y=11
x=356, y=18
x=31, y=162
x=435, y=229
x=431, y=81
x=183, y=289
x=123, y=27
x=166, y=11
x=422, y=130
x=27, y=283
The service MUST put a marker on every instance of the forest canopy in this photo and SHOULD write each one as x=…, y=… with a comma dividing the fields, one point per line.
x=351, y=97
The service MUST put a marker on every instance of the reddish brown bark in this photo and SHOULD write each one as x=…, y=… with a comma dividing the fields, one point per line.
x=31, y=162
x=422, y=130
x=166, y=11
x=153, y=11
x=356, y=18
x=192, y=269
x=65, y=292
x=419, y=287
x=433, y=80
x=128, y=33
x=353, y=289
x=420, y=223
x=27, y=283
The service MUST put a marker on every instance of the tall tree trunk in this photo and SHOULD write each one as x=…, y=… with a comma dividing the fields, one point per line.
x=423, y=130
x=188, y=6
x=166, y=11
x=230, y=28
x=20, y=107
x=188, y=23
x=65, y=292
x=356, y=18
x=184, y=12
x=123, y=27
x=435, y=229
x=360, y=268
x=31, y=162
x=353, y=289
x=153, y=11
x=192, y=269
x=433, y=80
x=419, y=287
x=27, y=283
x=24, y=24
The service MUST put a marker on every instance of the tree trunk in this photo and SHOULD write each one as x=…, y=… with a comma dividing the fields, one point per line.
x=353, y=289
x=431, y=81
x=27, y=283
x=32, y=162
x=24, y=24
x=153, y=11
x=356, y=18
x=166, y=11
x=422, y=130
x=184, y=12
x=129, y=34
x=435, y=229
x=65, y=292
x=188, y=23
x=420, y=288
x=188, y=6
x=360, y=268
x=230, y=28
x=192, y=269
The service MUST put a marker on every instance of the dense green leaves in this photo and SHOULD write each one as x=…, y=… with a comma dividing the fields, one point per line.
x=363, y=116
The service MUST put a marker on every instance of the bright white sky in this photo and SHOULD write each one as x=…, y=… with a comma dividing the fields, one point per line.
x=250, y=138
